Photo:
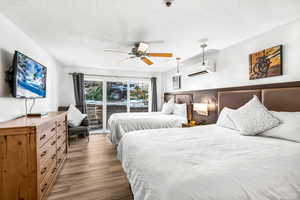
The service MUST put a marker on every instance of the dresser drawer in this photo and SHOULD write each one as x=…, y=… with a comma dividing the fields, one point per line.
x=47, y=156
x=61, y=132
x=45, y=132
x=61, y=139
x=46, y=150
x=61, y=123
x=61, y=127
x=61, y=153
x=45, y=184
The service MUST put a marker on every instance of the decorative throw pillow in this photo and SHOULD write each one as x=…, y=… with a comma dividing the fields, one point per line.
x=75, y=117
x=289, y=129
x=253, y=118
x=224, y=120
x=168, y=108
x=180, y=110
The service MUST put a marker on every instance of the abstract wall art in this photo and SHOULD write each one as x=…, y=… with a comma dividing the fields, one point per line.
x=266, y=63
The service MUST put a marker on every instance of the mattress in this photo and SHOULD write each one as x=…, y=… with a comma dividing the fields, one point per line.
x=122, y=123
x=209, y=163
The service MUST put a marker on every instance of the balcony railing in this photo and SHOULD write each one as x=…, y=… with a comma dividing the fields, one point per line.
x=95, y=113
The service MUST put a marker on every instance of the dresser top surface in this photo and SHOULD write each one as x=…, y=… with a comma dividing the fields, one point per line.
x=31, y=121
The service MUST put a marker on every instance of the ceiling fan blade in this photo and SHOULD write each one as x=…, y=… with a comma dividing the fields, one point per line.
x=147, y=61
x=115, y=51
x=127, y=59
x=167, y=55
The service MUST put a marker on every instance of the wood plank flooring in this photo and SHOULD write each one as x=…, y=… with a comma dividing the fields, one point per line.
x=92, y=172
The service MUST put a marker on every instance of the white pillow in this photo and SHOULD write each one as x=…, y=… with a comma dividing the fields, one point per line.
x=75, y=117
x=164, y=108
x=289, y=128
x=168, y=108
x=224, y=120
x=180, y=110
x=253, y=118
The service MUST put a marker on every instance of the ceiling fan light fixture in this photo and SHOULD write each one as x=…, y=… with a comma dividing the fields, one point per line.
x=143, y=47
x=140, y=50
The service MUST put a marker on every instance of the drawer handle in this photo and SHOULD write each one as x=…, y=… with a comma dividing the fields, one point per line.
x=58, y=125
x=59, y=160
x=59, y=137
x=43, y=154
x=43, y=137
x=43, y=170
x=53, y=129
x=44, y=187
x=59, y=148
x=53, y=170
x=53, y=143
x=53, y=157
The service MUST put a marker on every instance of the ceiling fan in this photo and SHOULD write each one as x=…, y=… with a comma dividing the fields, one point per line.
x=140, y=51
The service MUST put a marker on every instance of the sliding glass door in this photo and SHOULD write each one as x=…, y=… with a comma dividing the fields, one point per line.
x=139, y=96
x=105, y=97
x=116, y=98
x=94, y=101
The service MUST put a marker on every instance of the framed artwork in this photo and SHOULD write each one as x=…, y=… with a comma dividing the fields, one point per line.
x=266, y=63
x=176, y=82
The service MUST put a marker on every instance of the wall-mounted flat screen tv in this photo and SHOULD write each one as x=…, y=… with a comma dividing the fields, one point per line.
x=29, y=77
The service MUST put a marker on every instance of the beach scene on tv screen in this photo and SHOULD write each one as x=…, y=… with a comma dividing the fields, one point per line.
x=31, y=78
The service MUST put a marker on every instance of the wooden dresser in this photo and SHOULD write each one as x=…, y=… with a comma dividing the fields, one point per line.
x=32, y=151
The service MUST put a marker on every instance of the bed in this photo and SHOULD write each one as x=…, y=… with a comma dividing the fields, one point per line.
x=122, y=123
x=215, y=163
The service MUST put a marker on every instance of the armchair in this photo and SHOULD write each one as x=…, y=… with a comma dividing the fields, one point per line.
x=83, y=129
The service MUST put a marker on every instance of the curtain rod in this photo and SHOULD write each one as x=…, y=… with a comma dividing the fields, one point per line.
x=114, y=76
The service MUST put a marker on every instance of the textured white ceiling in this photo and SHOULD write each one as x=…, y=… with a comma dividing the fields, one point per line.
x=77, y=31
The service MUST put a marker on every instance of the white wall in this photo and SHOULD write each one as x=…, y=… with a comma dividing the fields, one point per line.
x=11, y=39
x=233, y=62
x=66, y=92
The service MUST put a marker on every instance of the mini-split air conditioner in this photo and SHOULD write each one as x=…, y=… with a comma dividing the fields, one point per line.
x=210, y=67
x=195, y=67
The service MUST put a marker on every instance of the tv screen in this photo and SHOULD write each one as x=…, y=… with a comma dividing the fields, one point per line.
x=29, y=77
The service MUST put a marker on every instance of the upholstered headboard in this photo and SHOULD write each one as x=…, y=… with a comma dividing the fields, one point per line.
x=276, y=96
x=235, y=99
x=184, y=98
x=167, y=97
x=180, y=99
x=278, y=99
x=282, y=99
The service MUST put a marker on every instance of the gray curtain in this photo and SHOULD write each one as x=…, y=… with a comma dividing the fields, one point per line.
x=154, y=94
x=78, y=81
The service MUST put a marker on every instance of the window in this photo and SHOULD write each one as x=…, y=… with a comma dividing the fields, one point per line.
x=139, y=97
x=106, y=96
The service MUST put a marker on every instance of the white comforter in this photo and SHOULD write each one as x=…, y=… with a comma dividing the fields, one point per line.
x=209, y=163
x=121, y=123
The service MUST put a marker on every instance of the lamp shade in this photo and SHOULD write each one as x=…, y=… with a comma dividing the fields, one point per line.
x=201, y=108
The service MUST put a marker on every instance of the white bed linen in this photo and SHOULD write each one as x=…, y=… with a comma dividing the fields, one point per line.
x=209, y=163
x=122, y=123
